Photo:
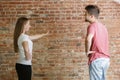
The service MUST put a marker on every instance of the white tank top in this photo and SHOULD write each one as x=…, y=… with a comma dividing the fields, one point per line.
x=22, y=59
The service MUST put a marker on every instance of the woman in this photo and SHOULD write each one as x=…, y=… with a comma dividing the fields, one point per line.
x=23, y=45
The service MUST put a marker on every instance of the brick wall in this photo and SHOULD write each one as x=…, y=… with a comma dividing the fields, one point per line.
x=59, y=56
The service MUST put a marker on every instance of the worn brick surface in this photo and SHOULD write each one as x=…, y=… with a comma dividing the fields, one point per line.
x=59, y=56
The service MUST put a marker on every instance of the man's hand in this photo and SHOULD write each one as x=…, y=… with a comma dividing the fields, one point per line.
x=90, y=52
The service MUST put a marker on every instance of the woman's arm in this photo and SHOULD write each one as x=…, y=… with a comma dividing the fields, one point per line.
x=38, y=36
x=28, y=56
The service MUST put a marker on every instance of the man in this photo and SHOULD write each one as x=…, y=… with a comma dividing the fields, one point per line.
x=96, y=44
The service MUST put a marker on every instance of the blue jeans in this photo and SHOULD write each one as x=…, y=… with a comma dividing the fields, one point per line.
x=98, y=68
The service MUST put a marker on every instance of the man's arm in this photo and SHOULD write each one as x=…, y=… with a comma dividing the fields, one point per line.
x=88, y=43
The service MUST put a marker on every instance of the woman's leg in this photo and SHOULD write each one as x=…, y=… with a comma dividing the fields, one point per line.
x=24, y=72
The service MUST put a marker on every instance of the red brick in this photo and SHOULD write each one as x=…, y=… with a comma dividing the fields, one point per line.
x=59, y=56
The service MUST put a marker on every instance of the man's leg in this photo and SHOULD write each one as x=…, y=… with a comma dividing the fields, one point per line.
x=98, y=68
x=106, y=65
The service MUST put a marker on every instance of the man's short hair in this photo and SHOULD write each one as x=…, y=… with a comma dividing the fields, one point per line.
x=93, y=10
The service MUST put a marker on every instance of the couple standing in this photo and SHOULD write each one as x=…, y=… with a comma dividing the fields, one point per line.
x=96, y=46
